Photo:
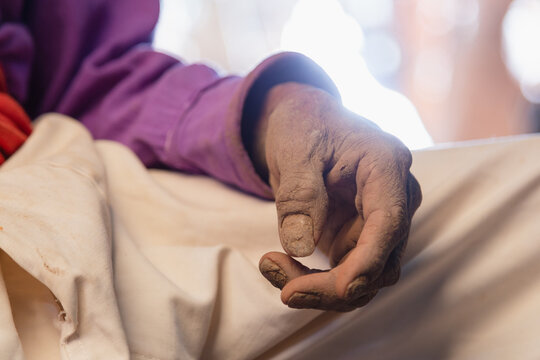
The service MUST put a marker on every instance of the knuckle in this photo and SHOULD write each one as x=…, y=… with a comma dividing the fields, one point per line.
x=296, y=198
x=392, y=159
x=396, y=148
x=415, y=194
x=403, y=156
x=298, y=187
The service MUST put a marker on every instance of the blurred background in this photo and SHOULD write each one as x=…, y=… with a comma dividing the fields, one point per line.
x=428, y=71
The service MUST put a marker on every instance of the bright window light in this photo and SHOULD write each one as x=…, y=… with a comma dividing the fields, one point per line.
x=521, y=34
x=323, y=31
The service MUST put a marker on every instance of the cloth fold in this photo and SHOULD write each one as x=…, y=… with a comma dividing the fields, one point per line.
x=152, y=264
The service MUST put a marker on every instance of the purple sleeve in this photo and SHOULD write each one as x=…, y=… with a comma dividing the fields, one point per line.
x=92, y=60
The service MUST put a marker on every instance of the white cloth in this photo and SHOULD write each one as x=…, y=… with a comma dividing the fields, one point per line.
x=160, y=265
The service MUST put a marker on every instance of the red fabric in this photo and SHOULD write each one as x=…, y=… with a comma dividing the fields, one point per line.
x=15, y=126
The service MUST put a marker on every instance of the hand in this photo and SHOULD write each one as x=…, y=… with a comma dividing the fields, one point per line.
x=340, y=183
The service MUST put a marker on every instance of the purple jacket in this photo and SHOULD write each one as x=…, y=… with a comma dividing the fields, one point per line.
x=92, y=60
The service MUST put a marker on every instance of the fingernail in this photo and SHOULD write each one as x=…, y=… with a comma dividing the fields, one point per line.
x=356, y=288
x=300, y=300
x=273, y=273
x=297, y=234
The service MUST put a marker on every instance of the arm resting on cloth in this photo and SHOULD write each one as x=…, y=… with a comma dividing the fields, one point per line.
x=92, y=60
x=344, y=187
x=339, y=181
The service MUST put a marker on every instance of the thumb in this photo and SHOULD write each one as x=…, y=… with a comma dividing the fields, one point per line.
x=302, y=207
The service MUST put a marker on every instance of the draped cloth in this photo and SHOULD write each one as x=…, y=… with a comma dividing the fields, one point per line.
x=104, y=259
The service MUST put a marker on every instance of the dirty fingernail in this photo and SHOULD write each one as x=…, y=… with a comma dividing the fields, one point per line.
x=273, y=273
x=357, y=288
x=297, y=235
x=300, y=300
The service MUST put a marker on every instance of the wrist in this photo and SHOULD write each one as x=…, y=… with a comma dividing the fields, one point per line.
x=257, y=134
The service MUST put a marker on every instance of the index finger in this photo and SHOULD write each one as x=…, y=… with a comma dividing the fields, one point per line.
x=382, y=200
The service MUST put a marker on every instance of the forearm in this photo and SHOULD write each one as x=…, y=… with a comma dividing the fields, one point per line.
x=93, y=61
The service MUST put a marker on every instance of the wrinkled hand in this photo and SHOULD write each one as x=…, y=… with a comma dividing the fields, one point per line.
x=340, y=183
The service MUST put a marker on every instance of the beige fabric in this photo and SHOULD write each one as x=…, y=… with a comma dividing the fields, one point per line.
x=160, y=265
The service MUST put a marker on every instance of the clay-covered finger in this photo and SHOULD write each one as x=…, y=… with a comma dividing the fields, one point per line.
x=312, y=291
x=339, y=216
x=382, y=202
x=311, y=288
x=389, y=276
x=369, y=257
x=317, y=291
x=279, y=268
x=302, y=207
x=345, y=240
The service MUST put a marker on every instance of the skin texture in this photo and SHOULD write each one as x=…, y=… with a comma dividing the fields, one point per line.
x=340, y=183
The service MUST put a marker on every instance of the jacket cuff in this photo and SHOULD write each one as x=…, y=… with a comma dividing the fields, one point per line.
x=208, y=138
x=246, y=105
